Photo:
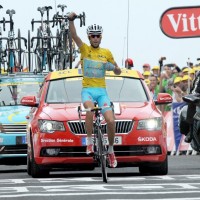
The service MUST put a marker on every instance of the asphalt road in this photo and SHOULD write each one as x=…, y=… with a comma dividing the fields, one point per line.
x=182, y=182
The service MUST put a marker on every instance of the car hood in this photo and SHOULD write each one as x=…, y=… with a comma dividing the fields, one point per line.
x=64, y=112
x=13, y=114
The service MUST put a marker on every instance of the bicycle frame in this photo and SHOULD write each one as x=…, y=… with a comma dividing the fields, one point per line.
x=66, y=46
x=11, y=46
x=44, y=39
x=2, y=51
x=100, y=148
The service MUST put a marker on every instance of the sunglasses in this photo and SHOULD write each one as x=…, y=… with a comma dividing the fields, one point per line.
x=93, y=36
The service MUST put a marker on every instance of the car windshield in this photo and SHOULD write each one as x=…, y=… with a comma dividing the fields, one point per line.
x=13, y=89
x=119, y=90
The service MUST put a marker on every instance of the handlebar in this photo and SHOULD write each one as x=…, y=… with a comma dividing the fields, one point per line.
x=58, y=17
x=96, y=110
x=42, y=10
x=39, y=21
x=46, y=37
x=21, y=38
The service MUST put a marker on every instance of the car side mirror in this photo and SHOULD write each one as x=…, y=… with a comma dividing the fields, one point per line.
x=29, y=101
x=163, y=98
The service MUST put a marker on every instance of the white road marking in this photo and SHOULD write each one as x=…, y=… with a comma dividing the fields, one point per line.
x=177, y=184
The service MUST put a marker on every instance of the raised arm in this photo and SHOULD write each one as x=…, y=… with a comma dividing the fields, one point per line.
x=72, y=29
x=117, y=69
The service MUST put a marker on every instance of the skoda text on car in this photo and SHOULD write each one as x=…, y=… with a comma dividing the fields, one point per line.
x=57, y=139
x=13, y=115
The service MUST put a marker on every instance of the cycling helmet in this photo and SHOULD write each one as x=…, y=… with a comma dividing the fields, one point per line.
x=94, y=30
x=129, y=62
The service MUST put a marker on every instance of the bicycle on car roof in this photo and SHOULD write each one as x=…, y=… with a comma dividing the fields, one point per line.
x=2, y=50
x=43, y=50
x=65, y=46
x=13, y=49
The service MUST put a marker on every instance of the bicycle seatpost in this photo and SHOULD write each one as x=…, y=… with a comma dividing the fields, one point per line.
x=41, y=10
x=47, y=8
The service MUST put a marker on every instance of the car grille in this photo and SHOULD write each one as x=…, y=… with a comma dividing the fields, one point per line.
x=13, y=149
x=123, y=126
x=13, y=128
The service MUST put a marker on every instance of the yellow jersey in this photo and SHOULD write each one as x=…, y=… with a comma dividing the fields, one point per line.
x=93, y=62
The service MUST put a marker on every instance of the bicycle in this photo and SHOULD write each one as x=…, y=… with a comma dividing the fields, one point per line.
x=100, y=148
x=14, y=62
x=43, y=50
x=2, y=50
x=65, y=44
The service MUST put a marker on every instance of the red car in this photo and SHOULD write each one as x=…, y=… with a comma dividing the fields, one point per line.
x=56, y=138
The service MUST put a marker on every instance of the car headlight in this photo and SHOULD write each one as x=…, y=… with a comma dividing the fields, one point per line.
x=150, y=124
x=47, y=126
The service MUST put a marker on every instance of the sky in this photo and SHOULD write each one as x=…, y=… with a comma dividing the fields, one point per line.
x=128, y=31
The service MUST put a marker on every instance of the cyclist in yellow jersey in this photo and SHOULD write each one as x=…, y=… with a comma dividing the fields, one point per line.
x=95, y=61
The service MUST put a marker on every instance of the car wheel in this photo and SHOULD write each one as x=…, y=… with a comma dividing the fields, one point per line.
x=36, y=170
x=155, y=169
x=28, y=165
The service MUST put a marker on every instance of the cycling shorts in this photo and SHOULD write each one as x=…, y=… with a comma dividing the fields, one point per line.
x=98, y=95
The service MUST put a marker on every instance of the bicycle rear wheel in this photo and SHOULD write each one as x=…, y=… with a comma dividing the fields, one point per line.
x=102, y=156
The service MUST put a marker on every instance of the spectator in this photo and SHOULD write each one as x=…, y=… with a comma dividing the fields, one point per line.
x=166, y=81
x=146, y=67
x=154, y=86
x=146, y=74
x=147, y=81
x=192, y=73
x=156, y=70
x=177, y=90
x=176, y=71
x=187, y=84
x=185, y=71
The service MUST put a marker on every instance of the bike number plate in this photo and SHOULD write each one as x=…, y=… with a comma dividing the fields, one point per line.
x=117, y=141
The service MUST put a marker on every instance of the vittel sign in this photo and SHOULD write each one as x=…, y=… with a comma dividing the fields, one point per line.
x=181, y=22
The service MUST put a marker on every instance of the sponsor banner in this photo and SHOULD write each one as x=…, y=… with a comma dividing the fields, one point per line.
x=176, y=107
x=181, y=22
x=183, y=146
x=170, y=130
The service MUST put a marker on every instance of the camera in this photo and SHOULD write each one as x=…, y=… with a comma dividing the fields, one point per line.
x=163, y=58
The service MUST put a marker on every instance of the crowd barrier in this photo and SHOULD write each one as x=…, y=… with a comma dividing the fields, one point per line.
x=175, y=140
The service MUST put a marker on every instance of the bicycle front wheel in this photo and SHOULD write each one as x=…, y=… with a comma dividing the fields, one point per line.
x=102, y=156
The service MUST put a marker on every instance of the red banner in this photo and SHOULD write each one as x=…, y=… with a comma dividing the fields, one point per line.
x=181, y=22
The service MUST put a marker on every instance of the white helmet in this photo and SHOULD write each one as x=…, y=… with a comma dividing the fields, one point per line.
x=94, y=29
